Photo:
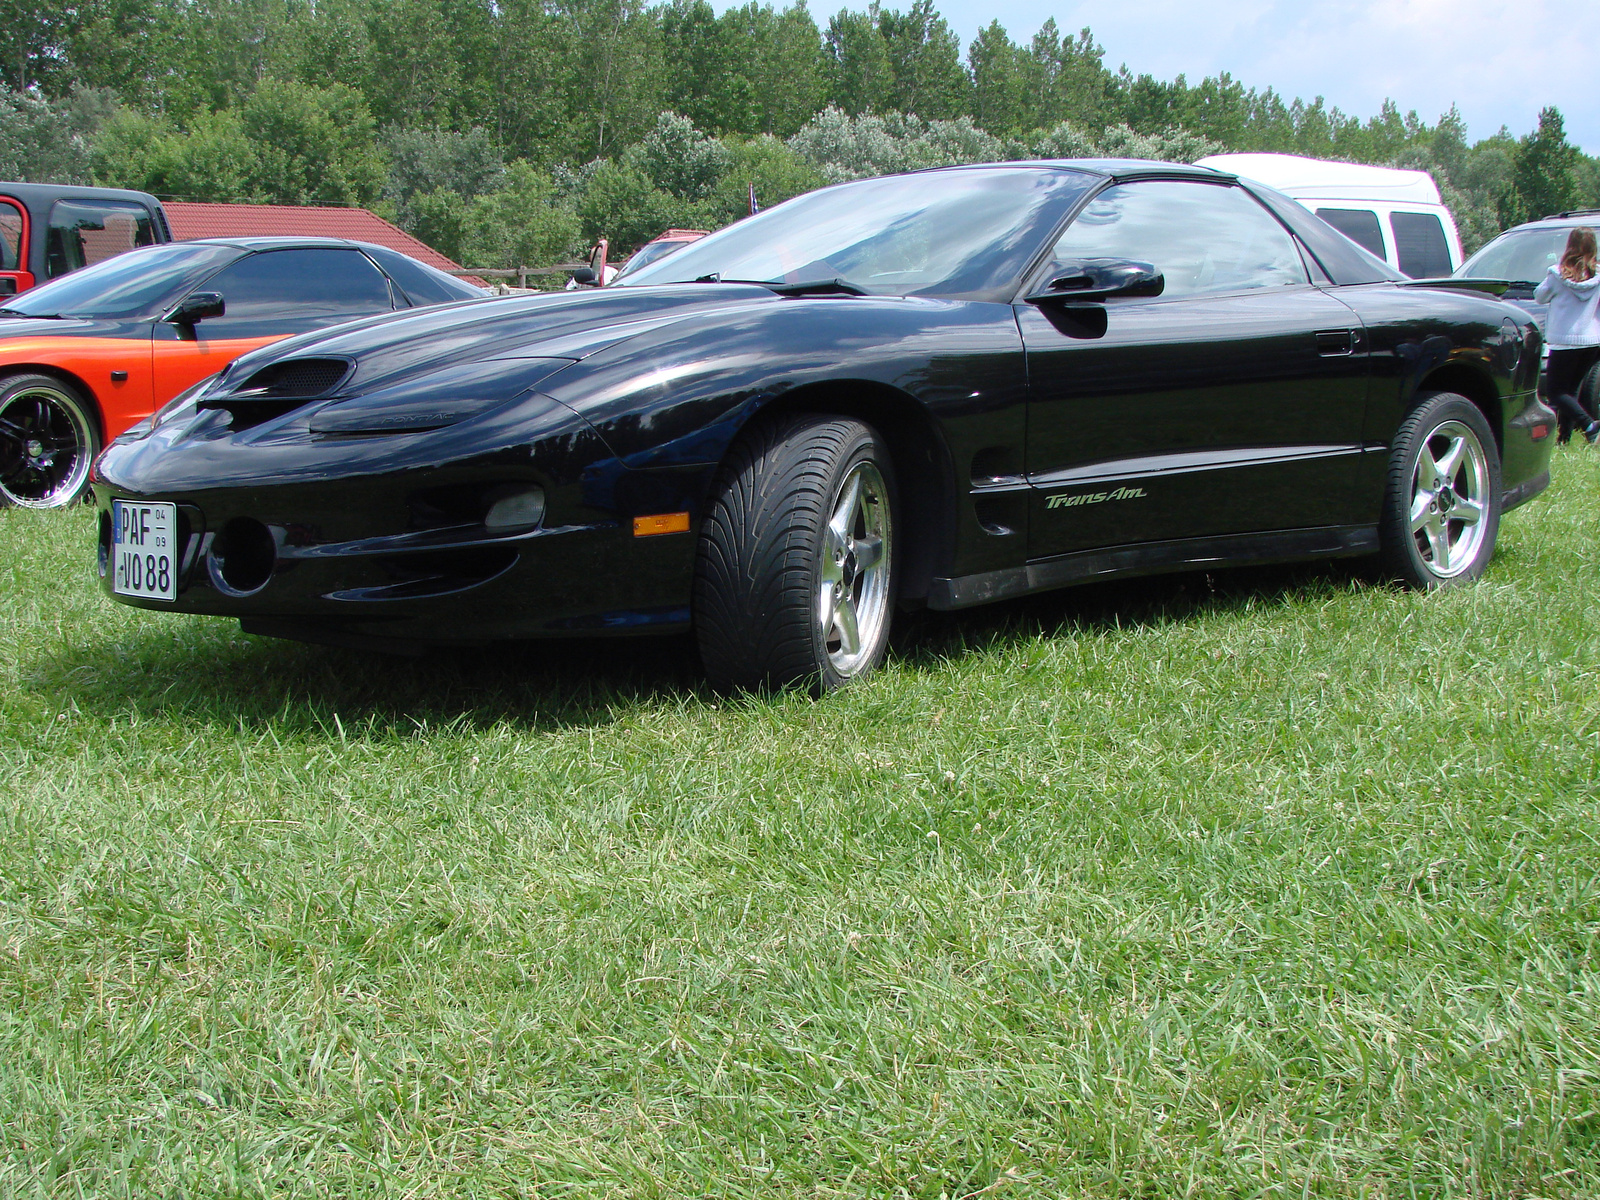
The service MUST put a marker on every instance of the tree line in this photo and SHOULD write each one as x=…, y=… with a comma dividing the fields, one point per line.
x=511, y=131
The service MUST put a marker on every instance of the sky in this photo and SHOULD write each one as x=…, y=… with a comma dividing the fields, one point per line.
x=1499, y=63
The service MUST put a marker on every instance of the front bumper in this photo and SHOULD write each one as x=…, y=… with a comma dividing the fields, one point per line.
x=385, y=538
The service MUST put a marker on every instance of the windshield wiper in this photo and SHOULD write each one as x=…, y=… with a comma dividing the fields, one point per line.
x=811, y=287
x=17, y=312
x=815, y=287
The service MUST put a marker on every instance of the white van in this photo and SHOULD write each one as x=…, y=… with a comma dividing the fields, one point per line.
x=1395, y=214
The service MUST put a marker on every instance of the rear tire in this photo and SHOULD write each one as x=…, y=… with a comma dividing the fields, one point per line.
x=1441, y=505
x=795, y=576
x=49, y=437
x=1589, y=392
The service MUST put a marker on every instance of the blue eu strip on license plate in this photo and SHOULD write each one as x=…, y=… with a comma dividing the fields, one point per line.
x=144, y=549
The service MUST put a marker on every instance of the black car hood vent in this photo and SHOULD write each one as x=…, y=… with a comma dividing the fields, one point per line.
x=296, y=379
x=279, y=388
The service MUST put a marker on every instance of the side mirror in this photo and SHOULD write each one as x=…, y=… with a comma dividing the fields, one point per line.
x=197, y=307
x=597, y=258
x=1098, y=279
x=583, y=276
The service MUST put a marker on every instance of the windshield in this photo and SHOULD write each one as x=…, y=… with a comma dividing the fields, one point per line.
x=966, y=233
x=129, y=285
x=1522, y=256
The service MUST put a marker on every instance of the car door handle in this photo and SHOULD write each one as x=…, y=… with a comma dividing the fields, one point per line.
x=1332, y=343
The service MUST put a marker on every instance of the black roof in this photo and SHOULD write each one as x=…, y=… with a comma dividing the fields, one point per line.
x=264, y=242
x=43, y=193
x=1110, y=168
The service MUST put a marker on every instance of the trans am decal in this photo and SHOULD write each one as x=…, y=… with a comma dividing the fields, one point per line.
x=1122, y=493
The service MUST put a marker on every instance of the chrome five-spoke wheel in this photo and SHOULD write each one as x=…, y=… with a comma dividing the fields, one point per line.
x=1449, y=499
x=47, y=442
x=1442, y=501
x=853, y=600
x=795, y=576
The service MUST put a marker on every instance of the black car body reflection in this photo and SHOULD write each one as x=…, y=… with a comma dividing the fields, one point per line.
x=1066, y=371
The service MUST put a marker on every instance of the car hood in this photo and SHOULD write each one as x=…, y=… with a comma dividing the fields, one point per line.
x=393, y=349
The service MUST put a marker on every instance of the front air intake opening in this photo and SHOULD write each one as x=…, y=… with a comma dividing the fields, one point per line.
x=242, y=557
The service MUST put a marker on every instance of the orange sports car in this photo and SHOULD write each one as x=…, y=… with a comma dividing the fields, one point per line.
x=87, y=355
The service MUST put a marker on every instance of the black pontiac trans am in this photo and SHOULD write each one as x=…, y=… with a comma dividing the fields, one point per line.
x=934, y=389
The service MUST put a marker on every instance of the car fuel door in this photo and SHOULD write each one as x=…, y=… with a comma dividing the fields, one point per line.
x=1229, y=401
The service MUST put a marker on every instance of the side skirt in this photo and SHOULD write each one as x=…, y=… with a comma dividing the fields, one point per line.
x=1151, y=558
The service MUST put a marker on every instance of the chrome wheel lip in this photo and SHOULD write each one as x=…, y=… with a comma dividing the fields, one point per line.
x=852, y=594
x=1450, y=500
x=39, y=425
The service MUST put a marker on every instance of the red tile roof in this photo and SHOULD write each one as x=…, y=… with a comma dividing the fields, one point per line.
x=192, y=220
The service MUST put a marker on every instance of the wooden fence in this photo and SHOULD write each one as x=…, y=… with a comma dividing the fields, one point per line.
x=520, y=274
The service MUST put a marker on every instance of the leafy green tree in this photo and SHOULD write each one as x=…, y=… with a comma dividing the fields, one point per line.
x=788, y=72
x=619, y=203
x=431, y=61
x=999, y=87
x=860, y=79
x=1067, y=79
x=313, y=145
x=677, y=158
x=925, y=58
x=427, y=160
x=45, y=142
x=441, y=219
x=35, y=42
x=766, y=166
x=523, y=223
x=1543, y=170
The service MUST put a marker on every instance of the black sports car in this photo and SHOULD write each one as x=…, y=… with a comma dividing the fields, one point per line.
x=933, y=389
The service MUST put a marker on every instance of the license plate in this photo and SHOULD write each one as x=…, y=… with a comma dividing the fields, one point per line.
x=144, y=549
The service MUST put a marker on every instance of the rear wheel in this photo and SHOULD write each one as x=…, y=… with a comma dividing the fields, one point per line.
x=796, y=569
x=48, y=440
x=1589, y=392
x=1441, y=510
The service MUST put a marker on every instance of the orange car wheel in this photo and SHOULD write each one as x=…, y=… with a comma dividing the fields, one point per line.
x=48, y=440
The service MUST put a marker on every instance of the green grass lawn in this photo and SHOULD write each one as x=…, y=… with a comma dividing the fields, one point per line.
x=1266, y=883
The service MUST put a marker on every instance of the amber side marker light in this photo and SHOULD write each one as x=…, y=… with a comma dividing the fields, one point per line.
x=661, y=523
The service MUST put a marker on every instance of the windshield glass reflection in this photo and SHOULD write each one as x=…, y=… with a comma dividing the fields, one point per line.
x=965, y=233
x=130, y=285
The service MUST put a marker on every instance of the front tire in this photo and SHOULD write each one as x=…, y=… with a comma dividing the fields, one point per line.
x=795, y=577
x=1441, y=508
x=48, y=439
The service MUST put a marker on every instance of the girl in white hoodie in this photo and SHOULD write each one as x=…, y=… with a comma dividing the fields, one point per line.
x=1572, y=330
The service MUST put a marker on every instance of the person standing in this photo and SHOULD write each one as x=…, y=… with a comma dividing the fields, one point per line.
x=1572, y=330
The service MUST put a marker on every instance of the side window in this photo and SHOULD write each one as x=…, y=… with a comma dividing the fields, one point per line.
x=1360, y=225
x=1419, y=245
x=278, y=292
x=1201, y=237
x=11, y=238
x=84, y=232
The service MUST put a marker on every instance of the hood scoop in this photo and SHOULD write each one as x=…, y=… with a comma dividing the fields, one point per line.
x=279, y=388
x=434, y=400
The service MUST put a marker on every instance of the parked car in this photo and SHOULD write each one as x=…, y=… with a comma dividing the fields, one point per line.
x=48, y=230
x=84, y=357
x=1520, y=257
x=1394, y=214
x=935, y=389
x=658, y=248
